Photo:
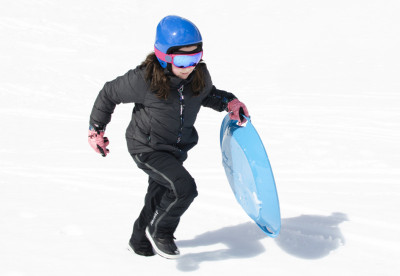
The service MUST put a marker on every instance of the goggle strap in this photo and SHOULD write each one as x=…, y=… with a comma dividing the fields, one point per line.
x=162, y=55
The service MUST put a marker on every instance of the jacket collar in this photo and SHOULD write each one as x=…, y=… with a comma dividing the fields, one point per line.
x=177, y=82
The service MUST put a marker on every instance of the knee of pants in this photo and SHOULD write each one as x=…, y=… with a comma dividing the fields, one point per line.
x=186, y=189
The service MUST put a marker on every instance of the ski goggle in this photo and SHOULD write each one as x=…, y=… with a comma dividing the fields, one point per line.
x=180, y=60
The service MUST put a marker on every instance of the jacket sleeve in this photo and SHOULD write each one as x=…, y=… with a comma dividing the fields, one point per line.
x=215, y=99
x=218, y=99
x=128, y=88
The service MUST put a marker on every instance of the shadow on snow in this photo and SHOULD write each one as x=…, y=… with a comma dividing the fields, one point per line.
x=306, y=236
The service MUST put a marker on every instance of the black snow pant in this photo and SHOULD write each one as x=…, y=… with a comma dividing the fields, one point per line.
x=170, y=192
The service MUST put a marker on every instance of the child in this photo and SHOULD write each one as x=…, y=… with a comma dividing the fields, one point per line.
x=168, y=89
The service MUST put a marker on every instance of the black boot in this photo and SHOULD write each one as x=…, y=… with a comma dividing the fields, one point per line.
x=138, y=242
x=162, y=241
x=143, y=248
x=164, y=245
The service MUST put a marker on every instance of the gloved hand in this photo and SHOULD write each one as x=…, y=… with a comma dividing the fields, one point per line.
x=237, y=109
x=97, y=141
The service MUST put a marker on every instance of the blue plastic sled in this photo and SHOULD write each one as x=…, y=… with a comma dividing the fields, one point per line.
x=250, y=175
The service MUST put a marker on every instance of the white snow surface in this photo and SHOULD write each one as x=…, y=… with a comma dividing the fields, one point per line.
x=321, y=82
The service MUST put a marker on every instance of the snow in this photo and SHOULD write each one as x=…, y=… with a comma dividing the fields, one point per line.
x=321, y=82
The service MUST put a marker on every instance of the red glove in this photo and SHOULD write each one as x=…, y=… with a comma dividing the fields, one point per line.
x=98, y=142
x=237, y=109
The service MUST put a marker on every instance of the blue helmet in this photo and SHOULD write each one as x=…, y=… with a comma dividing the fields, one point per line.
x=173, y=31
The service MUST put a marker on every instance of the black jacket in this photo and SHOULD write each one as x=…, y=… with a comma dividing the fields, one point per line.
x=157, y=124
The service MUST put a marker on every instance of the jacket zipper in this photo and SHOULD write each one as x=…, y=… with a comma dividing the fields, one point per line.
x=182, y=109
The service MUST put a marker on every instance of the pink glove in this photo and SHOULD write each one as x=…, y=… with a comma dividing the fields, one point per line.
x=98, y=142
x=237, y=109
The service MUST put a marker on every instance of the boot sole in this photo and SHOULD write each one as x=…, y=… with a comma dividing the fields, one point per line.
x=158, y=251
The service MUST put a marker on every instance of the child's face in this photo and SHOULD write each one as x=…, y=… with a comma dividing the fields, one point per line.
x=184, y=73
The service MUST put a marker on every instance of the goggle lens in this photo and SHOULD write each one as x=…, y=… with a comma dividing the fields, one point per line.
x=183, y=61
x=180, y=60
